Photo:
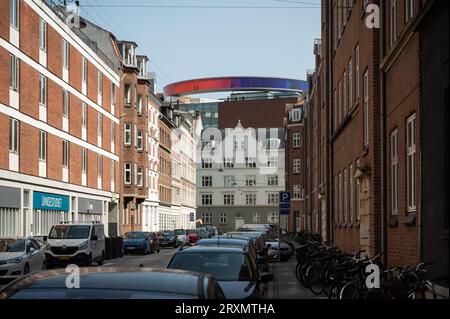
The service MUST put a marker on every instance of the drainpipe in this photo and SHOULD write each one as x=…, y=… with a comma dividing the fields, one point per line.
x=383, y=138
x=330, y=123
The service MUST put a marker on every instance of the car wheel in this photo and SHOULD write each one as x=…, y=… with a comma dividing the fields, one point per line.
x=26, y=269
x=89, y=261
x=102, y=260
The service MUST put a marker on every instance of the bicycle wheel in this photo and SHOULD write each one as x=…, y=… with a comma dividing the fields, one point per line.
x=349, y=291
x=304, y=276
x=315, y=280
x=297, y=271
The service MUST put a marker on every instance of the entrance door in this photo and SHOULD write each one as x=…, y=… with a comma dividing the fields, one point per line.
x=240, y=221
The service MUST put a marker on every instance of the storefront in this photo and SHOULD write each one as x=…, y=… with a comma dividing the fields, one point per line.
x=10, y=218
x=89, y=210
x=48, y=210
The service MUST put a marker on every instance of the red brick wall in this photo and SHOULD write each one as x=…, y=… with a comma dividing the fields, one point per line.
x=4, y=19
x=4, y=142
x=4, y=76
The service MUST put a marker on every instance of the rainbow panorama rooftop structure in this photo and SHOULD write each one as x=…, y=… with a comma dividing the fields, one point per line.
x=235, y=83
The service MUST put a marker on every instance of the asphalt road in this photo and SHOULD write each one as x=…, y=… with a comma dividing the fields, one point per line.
x=155, y=260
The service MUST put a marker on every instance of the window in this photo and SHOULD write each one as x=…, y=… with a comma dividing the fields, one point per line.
x=296, y=166
x=272, y=198
x=345, y=95
x=229, y=181
x=335, y=110
x=65, y=153
x=100, y=82
x=99, y=166
x=340, y=199
x=223, y=218
x=100, y=124
x=250, y=199
x=206, y=163
x=113, y=132
x=13, y=136
x=127, y=134
x=273, y=143
x=393, y=21
x=207, y=199
x=139, y=104
x=84, y=160
x=140, y=142
x=272, y=161
x=207, y=218
x=250, y=162
x=135, y=174
x=250, y=180
x=228, y=162
x=127, y=94
x=357, y=72
x=42, y=90
x=14, y=13
x=228, y=199
x=42, y=146
x=358, y=200
x=350, y=85
x=113, y=170
x=127, y=173
x=84, y=70
x=410, y=9
x=340, y=104
x=297, y=192
x=83, y=114
x=42, y=35
x=351, y=211
x=65, y=102
x=272, y=180
x=296, y=140
x=256, y=218
x=113, y=94
x=411, y=163
x=345, y=197
x=13, y=73
x=206, y=181
x=140, y=177
x=394, y=172
x=272, y=217
x=366, y=109
x=296, y=115
x=65, y=50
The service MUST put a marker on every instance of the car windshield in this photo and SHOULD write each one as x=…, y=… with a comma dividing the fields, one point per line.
x=16, y=247
x=180, y=232
x=136, y=235
x=223, y=266
x=168, y=233
x=69, y=232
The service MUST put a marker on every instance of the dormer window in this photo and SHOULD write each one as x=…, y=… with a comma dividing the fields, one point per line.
x=128, y=50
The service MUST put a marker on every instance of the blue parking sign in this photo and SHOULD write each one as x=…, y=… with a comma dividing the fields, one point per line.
x=192, y=216
x=285, y=203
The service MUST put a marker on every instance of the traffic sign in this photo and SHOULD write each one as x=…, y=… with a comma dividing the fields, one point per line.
x=192, y=216
x=285, y=203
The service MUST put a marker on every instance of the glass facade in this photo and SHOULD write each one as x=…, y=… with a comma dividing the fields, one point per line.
x=208, y=111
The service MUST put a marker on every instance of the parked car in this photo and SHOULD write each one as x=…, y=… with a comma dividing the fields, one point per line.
x=193, y=235
x=116, y=283
x=182, y=236
x=276, y=248
x=167, y=238
x=75, y=243
x=204, y=233
x=23, y=256
x=234, y=268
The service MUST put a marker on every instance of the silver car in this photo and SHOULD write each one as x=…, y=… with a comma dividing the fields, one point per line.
x=22, y=257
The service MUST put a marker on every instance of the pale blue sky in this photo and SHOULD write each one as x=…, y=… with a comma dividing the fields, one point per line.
x=184, y=43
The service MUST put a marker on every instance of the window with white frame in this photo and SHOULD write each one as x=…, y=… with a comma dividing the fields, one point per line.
x=223, y=219
x=65, y=106
x=393, y=17
x=272, y=161
x=350, y=85
x=228, y=162
x=113, y=132
x=351, y=199
x=140, y=176
x=100, y=82
x=84, y=70
x=250, y=199
x=13, y=136
x=207, y=218
x=207, y=199
x=206, y=181
x=296, y=115
x=411, y=162
x=345, y=203
x=250, y=162
x=42, y=35
x=229, y=181
x=296, y=166
x=272, y=217
x=65, y=54
x=42, y=90
x=340, y=112
x=358, y=200
x=128, y=169
x=84, y=160
x=42, y=146
x=366, y=109
x=297, y=192
x=135, y=174
x=273, y=143
x=65, y=153
x=113, y=94
x=410, y=9
x=357, y=79
x=13, y=72
x=394, y=172
x=250, y=180
x=100, y=124
x=83, y=114
x=272, y=180
x=113, y=171
x=345, y=95
x=139, y=104
x=99, y=166
x=206, y=163
x=272, y=198
x=296, y=140
x=14, y=13
x=127, y=94
x=228, y=199
x=127, y=134
x=140, y=141
x=340, y=199
x=256, y=218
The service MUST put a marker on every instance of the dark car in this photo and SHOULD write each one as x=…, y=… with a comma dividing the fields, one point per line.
x=154, y=242
x=167, y=238
x=193, y=235
x=140, y=242
x=116, y=283
x=234, y=268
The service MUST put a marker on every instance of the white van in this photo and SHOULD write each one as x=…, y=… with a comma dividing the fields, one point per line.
x=76, y=243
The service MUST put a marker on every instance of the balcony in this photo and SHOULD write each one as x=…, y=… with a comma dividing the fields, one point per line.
x=128, y=52
x=142, y=67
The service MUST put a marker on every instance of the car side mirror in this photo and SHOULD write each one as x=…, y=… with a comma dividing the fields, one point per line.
x=266, y=277
x=31, y=250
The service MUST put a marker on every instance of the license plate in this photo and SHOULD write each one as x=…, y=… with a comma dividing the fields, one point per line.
x=64, y=258
x=130, y=248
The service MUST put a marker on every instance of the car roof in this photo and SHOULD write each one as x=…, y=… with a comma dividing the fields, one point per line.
x=115, y=278
x=223, y=241
x=212, y=249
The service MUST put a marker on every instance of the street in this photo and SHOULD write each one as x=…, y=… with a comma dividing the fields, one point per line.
x=155, y=260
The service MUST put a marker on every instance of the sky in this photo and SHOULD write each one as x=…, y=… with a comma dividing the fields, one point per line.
x=186, y=39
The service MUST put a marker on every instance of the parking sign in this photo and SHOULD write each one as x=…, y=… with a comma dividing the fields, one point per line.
x=192, y=216
x=285, y=203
